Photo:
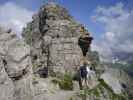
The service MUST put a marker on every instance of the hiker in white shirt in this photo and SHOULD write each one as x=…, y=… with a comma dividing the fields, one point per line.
x=90, y=74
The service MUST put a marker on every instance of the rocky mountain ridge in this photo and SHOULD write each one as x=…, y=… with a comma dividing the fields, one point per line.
x=53, y=37
x=51, y=41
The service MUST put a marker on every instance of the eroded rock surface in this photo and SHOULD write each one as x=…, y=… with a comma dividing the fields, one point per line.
x=53, y=38
x=119, y=81
x=6, y=84
x=52, y=42
x=53, y=35
x=16, y=69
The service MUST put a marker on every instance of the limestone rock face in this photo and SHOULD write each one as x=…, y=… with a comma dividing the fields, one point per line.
x=52, y=42
x=119, y=81
x=6, y=85
x=112, y=82
x=15, y=68
x=53, y=37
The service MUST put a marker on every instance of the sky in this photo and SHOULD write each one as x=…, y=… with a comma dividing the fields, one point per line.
x=109, y=21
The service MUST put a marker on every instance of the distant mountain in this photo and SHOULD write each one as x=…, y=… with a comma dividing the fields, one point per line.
x=126, y=67
x=124, y=57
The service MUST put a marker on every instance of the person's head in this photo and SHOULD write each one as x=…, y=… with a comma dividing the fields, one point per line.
x=84, y=63
x=88, y=62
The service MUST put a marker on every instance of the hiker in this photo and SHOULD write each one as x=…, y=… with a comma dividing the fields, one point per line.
x=86, y=73
x=83, y=75
x=90, y=74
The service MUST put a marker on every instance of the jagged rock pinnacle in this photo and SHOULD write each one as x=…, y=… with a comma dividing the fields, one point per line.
x=54, y=11
x=53, y=34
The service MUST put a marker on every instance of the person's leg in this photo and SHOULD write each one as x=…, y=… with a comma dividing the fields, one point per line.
x=90, y=78
x=86, y=82
x=80, y=84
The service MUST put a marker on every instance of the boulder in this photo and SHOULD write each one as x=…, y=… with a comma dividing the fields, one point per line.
x=16, y=68
x=118, y=80
x=6, y=84
x=113, y=82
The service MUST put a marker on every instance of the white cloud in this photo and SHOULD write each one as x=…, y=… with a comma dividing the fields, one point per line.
x=14, y=17
x=118, y=26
